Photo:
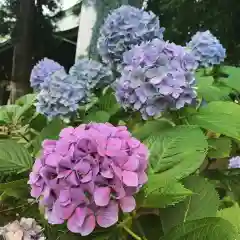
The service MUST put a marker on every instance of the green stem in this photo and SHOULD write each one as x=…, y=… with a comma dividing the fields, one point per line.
x=140, y=229
x=130, y=232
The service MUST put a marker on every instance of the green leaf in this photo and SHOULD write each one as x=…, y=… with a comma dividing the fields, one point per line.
x=212, y=228
x=219, y=147
x=203, y=203
x=51, y=131
x=108, y=102
x=177, y=152
x=99, y=117
x=219, y=117
x=211, y=91
x=7, y=113
x=232, y=215
x=161, y=192
x=152, y=127
x=233, y=79
x=14, y=157
x=18, y=189
x=27, y=99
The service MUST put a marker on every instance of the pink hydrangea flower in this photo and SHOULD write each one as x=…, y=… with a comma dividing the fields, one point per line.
x=87, y=175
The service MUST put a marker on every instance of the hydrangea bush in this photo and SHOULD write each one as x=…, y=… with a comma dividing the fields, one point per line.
x=150, y=148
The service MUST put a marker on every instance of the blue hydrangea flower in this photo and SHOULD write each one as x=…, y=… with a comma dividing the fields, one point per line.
x=41, y=71
x=234, y=162
x=157, y=75
x=207, y=49
x=61, y=96
x=93, y=74
x=125, y=27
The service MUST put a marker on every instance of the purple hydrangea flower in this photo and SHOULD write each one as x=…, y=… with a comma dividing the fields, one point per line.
x=41, y=71
x=91, y=73
x=88, y=174
x=124, y=27
x=234, y=162
x=207, y=49
x=60, y=95
x=157, y=75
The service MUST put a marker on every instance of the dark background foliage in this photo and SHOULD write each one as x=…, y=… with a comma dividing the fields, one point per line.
x=183, y=18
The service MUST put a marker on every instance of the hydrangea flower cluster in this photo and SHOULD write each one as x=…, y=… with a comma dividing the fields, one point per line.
x=93, y=74
x=207, y=49
x=41, y=71
x=25, y=229
x=125, y=27
x=88, y=174
x=234, y=162
x=61, y=95
x=157, y=75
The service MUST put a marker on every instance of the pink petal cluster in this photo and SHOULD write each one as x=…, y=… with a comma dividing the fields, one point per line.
x=88, y=174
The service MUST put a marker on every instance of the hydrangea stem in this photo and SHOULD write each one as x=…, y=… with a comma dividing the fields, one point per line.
x=130, y=232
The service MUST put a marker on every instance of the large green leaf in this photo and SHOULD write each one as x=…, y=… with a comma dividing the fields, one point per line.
x=202, y=203
x=219, y=147
x=210, y=91
x=13, y=157
x=232, y=215
x=219, y=117
x=212, y=228
x=177, y=152
x=161, y=192
x=233, y=79
x=51, y=131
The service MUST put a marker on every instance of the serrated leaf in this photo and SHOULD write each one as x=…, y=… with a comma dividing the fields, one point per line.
x=161, y=192
x=219, y=117
x=212, y=228
x=150, y=128
x=99, y=117
x=202, y=203
x=177, y=152
x=51, y=131
x=13, y=157
x=233, y=79
x=219, y=147
x=232, y=215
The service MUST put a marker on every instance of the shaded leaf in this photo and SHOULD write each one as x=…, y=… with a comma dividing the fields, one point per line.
x=51, y=131
x=99, y=117
x=219, y=147
x=14, y=157
x=151, y=127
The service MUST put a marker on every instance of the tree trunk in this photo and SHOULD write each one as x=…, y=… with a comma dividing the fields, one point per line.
x=91, y=18
x=22, y=56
